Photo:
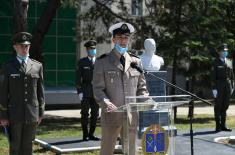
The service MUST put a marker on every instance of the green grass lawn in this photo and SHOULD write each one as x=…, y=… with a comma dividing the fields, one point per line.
x=70, y=127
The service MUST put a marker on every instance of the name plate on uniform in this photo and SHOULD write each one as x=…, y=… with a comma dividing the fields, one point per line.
x=155, y=141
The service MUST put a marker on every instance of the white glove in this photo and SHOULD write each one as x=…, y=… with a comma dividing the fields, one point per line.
x=80, y=96
x=215, y=93
x=231, y=89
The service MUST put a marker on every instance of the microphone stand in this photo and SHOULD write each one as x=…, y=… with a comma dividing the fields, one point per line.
x=191, y=104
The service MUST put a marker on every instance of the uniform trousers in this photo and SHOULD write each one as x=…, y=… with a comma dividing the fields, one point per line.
x=89, y=103
x=221, y=104
x=109, y=139
x=22, y=136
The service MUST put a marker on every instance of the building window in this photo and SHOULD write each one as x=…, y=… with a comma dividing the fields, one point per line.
x=137, y=7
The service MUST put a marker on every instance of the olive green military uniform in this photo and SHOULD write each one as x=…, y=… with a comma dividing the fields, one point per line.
x=21, y=102
x=222, y=81
x=113, y=82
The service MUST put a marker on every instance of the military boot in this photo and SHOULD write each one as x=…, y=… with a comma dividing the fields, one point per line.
x=85, y=133
x=223, y=126
x=91, y=134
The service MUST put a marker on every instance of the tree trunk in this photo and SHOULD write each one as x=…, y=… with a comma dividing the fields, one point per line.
x=41, y=29
x=178, y=12
x=192, y=90
x=20, y=10
x=173, y=80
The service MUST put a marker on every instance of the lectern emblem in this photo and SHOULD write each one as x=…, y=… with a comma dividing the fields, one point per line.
x=155, y=141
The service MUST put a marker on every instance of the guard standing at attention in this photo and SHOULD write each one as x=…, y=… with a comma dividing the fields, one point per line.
x=22, y=96
x=222, y=86
x=85, y=67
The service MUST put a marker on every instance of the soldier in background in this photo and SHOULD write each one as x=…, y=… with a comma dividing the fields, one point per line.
x=222, y=86
x=85, y=67
x=22, y=96
x=113, y=80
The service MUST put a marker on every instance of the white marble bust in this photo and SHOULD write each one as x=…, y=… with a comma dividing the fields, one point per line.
x=150, y=61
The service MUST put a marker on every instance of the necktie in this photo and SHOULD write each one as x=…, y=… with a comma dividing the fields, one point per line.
x=23, y=66
x=122, y=61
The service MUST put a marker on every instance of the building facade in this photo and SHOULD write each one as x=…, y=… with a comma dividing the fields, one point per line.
x=59, y=47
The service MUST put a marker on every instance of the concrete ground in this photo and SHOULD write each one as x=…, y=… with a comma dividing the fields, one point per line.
x=203, y=138
x=203, y=144
x=180, y=111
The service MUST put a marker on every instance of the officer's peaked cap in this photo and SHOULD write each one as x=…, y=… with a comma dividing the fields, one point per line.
x=121, y=28
x=22, y=38
x=90, y=43
x=223, y=46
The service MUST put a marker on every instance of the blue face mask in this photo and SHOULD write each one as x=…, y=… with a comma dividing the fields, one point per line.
x=224, y=54
x=23, y=58
x=92, y=52
x=120, y=49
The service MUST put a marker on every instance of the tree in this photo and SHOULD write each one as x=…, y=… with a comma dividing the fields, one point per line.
x=186, y=31
x=20, y=8
x=42, y=27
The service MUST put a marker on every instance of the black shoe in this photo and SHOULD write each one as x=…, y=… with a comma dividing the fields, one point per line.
x=94, y=138
x=85, y=139
x=226, y=129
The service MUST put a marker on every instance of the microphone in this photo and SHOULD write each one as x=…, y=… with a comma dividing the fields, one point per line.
x=135, y=66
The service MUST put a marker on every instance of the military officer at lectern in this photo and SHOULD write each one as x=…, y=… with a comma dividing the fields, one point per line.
x=113, y=80
x=22, y=96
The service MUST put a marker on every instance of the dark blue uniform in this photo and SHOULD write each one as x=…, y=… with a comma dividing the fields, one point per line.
x=84, y=72
x=222, y=81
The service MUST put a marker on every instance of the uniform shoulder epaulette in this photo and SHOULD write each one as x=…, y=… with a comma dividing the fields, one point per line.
x=36, y=61
x=83, y=59
x=133, y=55
x=102, y=56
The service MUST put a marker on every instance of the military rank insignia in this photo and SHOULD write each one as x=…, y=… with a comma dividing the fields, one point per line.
x=155, y=141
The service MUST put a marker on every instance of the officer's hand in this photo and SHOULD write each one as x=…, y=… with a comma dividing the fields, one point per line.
x=215, y=93
x=4, y=122
x=80, y=96
x=110, y=106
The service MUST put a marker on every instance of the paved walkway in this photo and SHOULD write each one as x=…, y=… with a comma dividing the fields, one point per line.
x=203, y=138
x=180, y=111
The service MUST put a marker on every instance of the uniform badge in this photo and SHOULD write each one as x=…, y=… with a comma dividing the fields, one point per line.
x=15, y=75
x=124, y=27
x=24, y=37
x=86, y=67
x=155, y=141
